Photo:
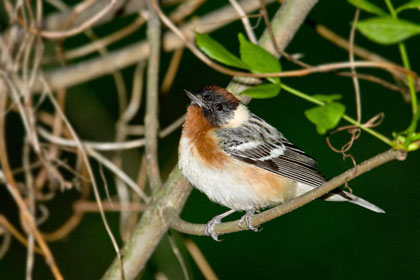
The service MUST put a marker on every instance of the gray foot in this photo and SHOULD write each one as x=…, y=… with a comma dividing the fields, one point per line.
x=247, y=218
x=209, y=230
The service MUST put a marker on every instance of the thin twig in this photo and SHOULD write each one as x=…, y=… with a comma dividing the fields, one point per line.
x=269, y=29
x=118, y=172
x=185, y=9
x=141, y=183
x=8, y=226
x=31, y=206
x=344, y=44
x=172, y=71
x=6, y=241
x=352, y=68
x=8, y=8
x=74, y=31
x=110, y=146
x=102, y=146
x=178, y=255
x=200, y=260
x=379, y=81
x=361, y=52
x=104, y=42
x=172, y=127
x=245, y=21
x=136, y=95
x=111, y=206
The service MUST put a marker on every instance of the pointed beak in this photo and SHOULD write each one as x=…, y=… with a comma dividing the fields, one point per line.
x=194, y=99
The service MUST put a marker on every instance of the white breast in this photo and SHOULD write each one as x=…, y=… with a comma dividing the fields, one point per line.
x=226, y=186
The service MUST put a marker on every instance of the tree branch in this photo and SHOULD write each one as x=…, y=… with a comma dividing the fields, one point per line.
x=78, y=29
x=177, y=223
x=151, y=226
x=151, y=122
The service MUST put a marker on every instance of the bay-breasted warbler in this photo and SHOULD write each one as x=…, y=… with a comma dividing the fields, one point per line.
x=240, y=161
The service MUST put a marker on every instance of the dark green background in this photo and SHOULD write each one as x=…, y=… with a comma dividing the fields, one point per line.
x=321, y=240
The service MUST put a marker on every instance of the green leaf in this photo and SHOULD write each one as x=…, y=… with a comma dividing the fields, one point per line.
x=414, y=4
x=387, y=30
x=216, y=51
x=263, y=91
x=258, y=60
x=368, y=7
x=326, y=117
x=327, y=98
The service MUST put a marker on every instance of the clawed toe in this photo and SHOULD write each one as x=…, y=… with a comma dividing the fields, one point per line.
x=209, y=230
x=251, y=227
x=247, y=218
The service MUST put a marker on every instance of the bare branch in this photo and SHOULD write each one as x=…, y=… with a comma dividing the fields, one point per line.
x=245, y=21
x=151, y=122
x=200, y=260
x=103, y=42
x=151, y=226
x=114, y=206
x=361, y=52
x=76, y=30
x=352, y=68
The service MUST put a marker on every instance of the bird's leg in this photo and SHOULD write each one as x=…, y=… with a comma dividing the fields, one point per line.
x=247, y=218
x=209, y=230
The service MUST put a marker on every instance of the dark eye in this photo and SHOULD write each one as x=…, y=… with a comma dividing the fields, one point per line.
x=219, y=107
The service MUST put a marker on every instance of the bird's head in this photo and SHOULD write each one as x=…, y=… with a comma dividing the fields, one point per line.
x=219, y=107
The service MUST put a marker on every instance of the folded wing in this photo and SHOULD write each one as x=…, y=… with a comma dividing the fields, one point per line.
x=260, y=144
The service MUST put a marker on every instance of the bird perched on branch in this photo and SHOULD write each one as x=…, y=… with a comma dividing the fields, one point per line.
x=240, y=161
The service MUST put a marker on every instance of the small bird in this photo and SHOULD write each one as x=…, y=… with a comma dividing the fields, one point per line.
x=240, y=161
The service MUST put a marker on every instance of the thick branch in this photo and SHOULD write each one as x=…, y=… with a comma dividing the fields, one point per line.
x=151, y=122
x=151, y=227
x=198, y=229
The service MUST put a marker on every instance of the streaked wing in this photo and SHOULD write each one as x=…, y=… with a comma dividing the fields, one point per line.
x=260, y=144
